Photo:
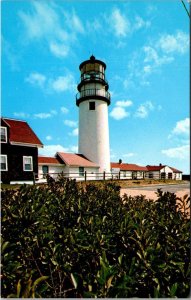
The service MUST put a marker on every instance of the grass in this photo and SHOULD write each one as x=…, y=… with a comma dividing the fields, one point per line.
x=122, y=183
x=10, y=186
x=134, y=183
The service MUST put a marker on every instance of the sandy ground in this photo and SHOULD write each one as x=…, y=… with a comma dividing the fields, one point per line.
x=151, y=194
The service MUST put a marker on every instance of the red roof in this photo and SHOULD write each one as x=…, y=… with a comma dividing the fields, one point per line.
x=128, y=167
x=155, y=168
x=72, y=159
x=48, y=160
x=20, y=132
x=175, y=170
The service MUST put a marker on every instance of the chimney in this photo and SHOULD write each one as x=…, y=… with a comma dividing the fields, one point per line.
x=160, y=165
x=120, y=161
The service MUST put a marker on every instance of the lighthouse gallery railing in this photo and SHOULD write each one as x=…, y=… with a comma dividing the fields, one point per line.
x=93, y=92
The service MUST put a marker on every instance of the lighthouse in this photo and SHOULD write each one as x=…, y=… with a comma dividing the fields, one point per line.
x=93, y=100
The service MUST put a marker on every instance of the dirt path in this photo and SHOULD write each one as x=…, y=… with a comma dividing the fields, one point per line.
x=150, y=194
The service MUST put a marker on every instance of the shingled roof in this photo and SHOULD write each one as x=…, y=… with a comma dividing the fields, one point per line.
x=175, y=170
x=21, y=133
x=155, y=168
x=76, y=160
x=127, y=167
x=48, y=160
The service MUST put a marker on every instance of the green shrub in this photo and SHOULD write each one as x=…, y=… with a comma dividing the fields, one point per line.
x=63, y=241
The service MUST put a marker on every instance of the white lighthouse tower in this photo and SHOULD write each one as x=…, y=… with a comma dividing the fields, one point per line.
x=93, y=100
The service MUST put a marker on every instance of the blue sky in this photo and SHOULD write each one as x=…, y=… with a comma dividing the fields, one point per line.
x=145, y=45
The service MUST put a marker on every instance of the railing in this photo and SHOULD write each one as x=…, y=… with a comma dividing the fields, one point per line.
x=115, y=175
x=81, y=176
x=93, y=92
x=104, y=176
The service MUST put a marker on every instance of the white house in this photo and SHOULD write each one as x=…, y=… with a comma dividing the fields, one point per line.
x=163, y=172
x=78, y=167
x=71, y=165
x=128, y=171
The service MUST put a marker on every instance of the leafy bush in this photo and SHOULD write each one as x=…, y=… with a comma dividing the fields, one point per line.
x=64, y=241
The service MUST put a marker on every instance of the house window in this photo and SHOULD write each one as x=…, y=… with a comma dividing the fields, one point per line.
x=163, y=175
x=4, y=134
x=4, y=166
x=45, y=170
x=27, y=163
x=151, y=175
x=81, y=171
x=91, y=105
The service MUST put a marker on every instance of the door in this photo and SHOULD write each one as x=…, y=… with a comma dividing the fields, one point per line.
x=45, y=170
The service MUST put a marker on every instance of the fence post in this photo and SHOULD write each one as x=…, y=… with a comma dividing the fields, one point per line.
x=34, y=178
x=119, y=174
x=85, y=176
x=104, y=175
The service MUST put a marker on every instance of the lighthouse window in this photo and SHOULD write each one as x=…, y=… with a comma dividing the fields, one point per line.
x=91, y=105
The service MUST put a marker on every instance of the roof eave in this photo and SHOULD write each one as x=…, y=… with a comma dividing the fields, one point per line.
x=26, y=144
x=50, y=164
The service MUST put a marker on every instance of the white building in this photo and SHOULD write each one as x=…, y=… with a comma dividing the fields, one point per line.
x=71, y=165
x=77, y=166
x=163, y=172
x=93, y=100
x=128, y=171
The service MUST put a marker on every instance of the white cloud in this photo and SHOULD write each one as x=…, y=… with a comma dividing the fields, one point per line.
x=93, y=26
x=43, y=115
x=48, y=137
x=74, y=149
x=119, y=23
x=64, y=110
x=144, y=109
x=50, y=150
x=11, y=54
x=147, y=69
x=70, y=123
x=160, y=51
x=182, y=127
x=63, y=83
x=178, y=42
x=41, y=22
x=59, y=84
x=53, y=112
x=152, y=57
x=56, y=28
x=130, y=154
x=118, y=113
x=74, y=132
x=59, y=49
x=36, y=78
x=140, y=23
x=21, y=115
x=182, y=152
x=74, y=22
x=124, y=103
